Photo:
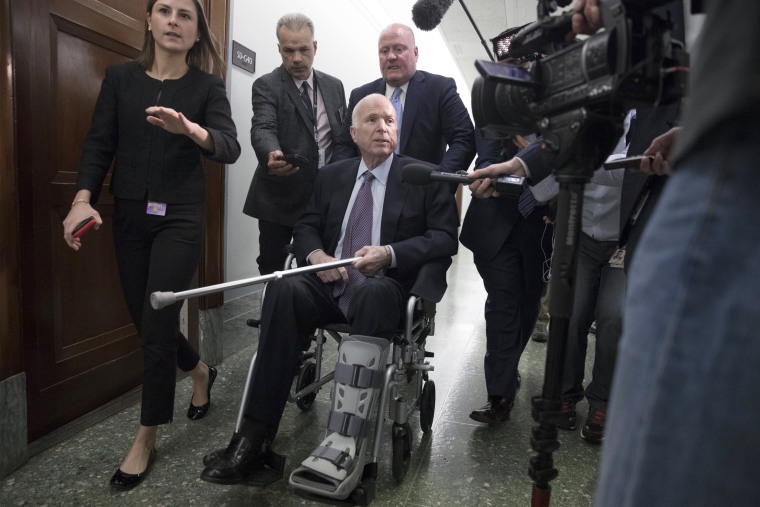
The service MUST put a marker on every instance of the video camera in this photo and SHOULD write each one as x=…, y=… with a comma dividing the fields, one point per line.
x=577, y=93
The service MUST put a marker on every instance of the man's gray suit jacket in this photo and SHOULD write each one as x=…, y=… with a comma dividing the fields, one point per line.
x=281, y=122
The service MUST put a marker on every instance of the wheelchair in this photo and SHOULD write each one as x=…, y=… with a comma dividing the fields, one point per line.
x=405, y=388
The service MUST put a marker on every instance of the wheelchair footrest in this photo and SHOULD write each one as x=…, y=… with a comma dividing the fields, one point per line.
x=274, y=468
x=362, y=495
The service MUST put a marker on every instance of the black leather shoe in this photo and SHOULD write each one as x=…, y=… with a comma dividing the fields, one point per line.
x=125, y=481
x=210, y=459
x=194, y=413
x=237, y=463
x=496, y=410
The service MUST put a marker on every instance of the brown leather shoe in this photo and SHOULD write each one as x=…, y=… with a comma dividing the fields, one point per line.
x=495, y=411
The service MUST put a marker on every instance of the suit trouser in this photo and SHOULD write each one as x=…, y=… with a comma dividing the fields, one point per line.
x=599, y=294
x=158, y=253
x=273, y=238
x=513, y=279
x=293, y=307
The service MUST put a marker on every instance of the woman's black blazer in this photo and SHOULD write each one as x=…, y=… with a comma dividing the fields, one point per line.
x=148, y=161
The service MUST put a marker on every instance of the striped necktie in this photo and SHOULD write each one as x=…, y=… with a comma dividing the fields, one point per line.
x=527, y=202
x=307, y=101
x=358, y=234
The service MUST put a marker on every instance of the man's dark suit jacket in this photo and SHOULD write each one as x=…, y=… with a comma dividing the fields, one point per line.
x=151, y=162
x=419, y=222
x=482, y=232
x=281, y=122
x=488, y=222
x=434, y=117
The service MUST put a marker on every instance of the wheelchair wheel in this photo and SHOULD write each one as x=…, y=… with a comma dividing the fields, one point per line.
x=402, y=451
x=306, y=377
x=427, y=406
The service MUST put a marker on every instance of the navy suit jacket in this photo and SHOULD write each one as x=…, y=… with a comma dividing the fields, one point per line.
x=419, y=222
x=489, y=222
x=434, y=117
x=281, y=122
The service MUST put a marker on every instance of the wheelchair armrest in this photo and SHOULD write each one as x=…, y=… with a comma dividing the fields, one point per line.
x=430, y=283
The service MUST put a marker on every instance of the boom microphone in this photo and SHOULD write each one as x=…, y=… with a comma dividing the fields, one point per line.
x=418, y=174
x=427, y=14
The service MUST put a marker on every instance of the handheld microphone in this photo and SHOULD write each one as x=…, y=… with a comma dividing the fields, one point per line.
x=418, y=174
x=427, y=14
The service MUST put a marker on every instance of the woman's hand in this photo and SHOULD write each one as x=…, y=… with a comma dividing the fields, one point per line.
x=176, y=123
x=80, y=210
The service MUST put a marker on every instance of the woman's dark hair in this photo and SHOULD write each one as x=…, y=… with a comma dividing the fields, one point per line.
x=204, y=53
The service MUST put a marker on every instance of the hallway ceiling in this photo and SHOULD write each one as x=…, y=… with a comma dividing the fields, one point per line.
x=492, y=17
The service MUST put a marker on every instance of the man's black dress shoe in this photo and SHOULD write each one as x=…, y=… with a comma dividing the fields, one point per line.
x=125, y=481
x=210, y=459
x=194, y=413
x=496, y=410
x=237, y=463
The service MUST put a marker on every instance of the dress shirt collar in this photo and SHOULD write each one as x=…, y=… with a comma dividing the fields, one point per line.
x=309, y=80
x=390, y=89
x=380, y=172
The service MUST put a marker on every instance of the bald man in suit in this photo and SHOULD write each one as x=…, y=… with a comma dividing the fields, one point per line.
x=435, y=124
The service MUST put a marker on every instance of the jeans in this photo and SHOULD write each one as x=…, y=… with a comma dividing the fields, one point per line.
x=599, y=291
x=684, y=413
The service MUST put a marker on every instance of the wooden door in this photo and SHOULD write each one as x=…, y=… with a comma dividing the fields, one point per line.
x=80, y=348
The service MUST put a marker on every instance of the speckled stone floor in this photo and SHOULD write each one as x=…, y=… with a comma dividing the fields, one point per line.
x=459, y=463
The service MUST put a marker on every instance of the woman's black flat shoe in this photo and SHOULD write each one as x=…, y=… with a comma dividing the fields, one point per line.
x=194, y=413
x=124, y=481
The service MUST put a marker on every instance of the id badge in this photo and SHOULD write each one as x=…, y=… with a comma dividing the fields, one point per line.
x=618, y=258
x=156, y=208
x=322, y=156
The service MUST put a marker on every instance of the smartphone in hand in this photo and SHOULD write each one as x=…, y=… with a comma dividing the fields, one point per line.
x=626, y=162
x=294, y=159
x=83, y=226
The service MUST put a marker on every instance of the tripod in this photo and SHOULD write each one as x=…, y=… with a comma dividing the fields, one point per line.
x=576, y=142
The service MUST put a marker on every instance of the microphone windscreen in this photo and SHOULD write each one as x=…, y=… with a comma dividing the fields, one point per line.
x=427, y=14
x=416, y=174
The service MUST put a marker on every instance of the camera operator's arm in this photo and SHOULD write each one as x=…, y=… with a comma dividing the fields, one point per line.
x=528, y=163
x=660, y=149
x=482, y=188
x=587, y=18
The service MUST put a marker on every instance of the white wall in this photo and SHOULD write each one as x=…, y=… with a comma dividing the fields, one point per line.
x=346, y=32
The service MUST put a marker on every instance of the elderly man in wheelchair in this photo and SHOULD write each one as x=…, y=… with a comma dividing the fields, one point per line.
x=360, y=207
